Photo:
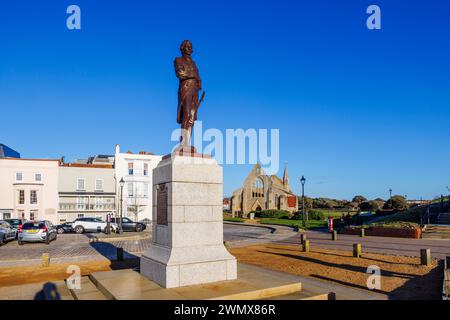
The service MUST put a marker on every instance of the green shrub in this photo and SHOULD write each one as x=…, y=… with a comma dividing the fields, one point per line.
x=277, y=214
x=316, y=215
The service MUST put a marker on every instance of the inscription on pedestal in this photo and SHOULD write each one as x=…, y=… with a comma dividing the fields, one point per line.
x=161, y=205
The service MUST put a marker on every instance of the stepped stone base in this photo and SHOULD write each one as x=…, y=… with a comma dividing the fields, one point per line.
x=254, y=284
x=173, y=268
x=187, y=242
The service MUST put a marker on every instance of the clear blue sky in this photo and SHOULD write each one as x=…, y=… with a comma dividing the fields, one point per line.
x=359, y=111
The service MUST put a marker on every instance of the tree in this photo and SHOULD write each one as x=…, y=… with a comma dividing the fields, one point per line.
x=359, y=199
x=136, y=199
x=397, y=203
x=372, y=205
x=379, y=203
x=308, y=203
x=324, y=203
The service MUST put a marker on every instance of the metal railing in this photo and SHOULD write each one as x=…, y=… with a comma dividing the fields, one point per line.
x=86, y=207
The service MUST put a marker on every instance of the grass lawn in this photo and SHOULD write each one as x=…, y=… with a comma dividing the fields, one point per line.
x=334, y=213
x=229, y=219
x=311, y=224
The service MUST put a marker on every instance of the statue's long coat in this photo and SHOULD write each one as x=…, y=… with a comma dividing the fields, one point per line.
x=190, y=83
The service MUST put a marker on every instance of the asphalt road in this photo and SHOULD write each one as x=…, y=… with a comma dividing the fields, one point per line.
x=241, y=233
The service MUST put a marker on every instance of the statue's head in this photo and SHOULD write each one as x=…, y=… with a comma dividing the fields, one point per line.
x=186, y=48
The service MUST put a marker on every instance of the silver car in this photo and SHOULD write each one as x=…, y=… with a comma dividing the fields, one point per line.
x=7, y=232
x=37, y=231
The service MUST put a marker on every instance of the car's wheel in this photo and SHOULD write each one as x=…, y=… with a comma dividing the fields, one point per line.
x=60, y=231
x=3, y=241
x=79, y=229
x=139, y=228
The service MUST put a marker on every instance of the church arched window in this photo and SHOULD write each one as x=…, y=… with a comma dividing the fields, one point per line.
x=258, y=188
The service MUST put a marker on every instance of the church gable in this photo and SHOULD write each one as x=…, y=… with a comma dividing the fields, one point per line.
x=263, y=192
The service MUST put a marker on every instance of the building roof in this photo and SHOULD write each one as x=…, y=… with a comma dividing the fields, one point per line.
x=7, y=152
x=28, y=159
x=87, y=165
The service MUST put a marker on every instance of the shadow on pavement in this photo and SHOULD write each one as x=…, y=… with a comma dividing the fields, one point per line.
x=48, y=292
x=341, y=266
x=119, y=258
x=427, y=287
x=348, y=284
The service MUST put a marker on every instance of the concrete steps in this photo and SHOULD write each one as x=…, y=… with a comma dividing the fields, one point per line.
x=87, y=291
x=305, y=296
x=253, y=283
x=436, y=232
x=31, y=291
x=444, y=218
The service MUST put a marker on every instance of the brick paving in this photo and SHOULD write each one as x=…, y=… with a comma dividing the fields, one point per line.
x=70, y=246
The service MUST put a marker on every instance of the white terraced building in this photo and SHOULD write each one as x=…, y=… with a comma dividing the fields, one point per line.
x=29, y=189
x=136, y=169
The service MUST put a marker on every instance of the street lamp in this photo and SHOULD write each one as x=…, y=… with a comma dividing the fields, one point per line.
x=121, y=183
x=303, y=181
x=390, y=197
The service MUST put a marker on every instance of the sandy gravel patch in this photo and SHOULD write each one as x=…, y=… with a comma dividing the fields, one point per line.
x=401, y=277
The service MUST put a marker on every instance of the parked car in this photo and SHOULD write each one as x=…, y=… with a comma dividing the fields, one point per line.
x=66, y=227
x=82, y=225
x=129, y=225
x=15, y=222
x=37, y=231
x=7, y=232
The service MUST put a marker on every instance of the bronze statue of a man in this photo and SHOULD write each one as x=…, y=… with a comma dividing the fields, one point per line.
x=188, y=91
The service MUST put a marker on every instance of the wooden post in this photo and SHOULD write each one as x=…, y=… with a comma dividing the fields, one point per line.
x=357, y=250
x=425, y=257
x=302, y=238
x=119, y=254
x=306, y=246
x=363, y=233
x=45, y=260
x=334, y=236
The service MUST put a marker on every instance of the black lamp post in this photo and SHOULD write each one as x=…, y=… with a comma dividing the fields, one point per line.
x=390, y=197
x=303, y=181
x=121, y=183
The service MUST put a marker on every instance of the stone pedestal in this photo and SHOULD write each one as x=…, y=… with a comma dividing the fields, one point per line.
x=187, y=242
